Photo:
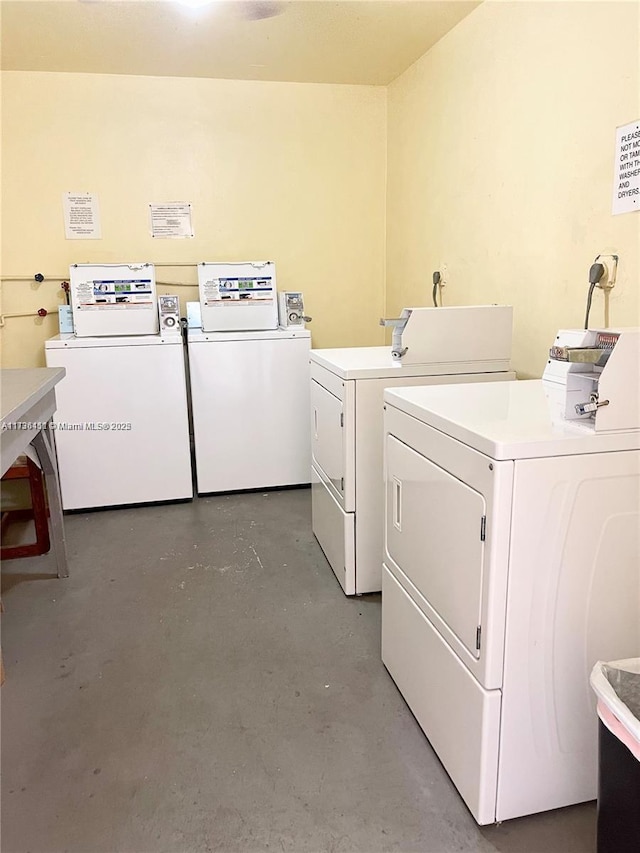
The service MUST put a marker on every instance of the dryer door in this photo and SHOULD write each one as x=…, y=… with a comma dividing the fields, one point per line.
x=435, y=529
x=332, y=448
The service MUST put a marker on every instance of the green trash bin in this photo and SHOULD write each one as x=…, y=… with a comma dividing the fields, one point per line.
x=617, y=686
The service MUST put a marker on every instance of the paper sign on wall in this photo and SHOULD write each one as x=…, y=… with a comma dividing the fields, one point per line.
x=171, y=220
x=81, y=216
x=626, y=178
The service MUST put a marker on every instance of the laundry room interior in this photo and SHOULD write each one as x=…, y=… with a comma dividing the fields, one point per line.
x=320, y=336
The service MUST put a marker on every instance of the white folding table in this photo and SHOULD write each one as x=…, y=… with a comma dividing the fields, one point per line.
x=27, y=404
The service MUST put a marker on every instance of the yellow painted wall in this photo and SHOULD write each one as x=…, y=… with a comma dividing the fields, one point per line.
x=500, y=165
x=496, y=148
x=293, y=173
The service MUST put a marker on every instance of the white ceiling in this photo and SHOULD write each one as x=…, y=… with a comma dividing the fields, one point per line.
x=350, y=41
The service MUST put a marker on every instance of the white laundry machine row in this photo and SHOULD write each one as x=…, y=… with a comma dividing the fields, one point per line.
x=446, y=345
x=250, y=404
x=512, y=564
x=122, y=433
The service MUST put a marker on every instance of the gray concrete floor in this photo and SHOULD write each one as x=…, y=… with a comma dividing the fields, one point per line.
x=200, y=683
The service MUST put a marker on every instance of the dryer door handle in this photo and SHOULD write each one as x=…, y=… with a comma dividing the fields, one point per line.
x=397, y=503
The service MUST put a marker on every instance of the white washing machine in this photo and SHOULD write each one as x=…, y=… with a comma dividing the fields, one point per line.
x=512, y=564
x=446, y=345
x=250, y=403
x=122, y=432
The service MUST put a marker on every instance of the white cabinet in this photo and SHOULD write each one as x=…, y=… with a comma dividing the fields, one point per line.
x=250, y=401
x=503, y=523
x=347, y=451
x=461, y=717
x=123, y=435
x=334, y=528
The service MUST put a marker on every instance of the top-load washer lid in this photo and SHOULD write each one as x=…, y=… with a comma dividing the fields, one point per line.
x=67, y=341
x=507, y=420
x=196, y=336
x=359, y=362
x=377, y=363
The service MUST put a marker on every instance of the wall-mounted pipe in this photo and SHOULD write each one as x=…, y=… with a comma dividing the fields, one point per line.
x=41, y=312
x=39, y=277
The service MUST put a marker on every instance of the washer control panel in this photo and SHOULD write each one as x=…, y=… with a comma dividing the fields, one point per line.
x=291, y=309
x=169, y=311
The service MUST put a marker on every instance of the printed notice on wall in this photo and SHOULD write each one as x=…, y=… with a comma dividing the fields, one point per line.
x=626, y=179
x=81, y=216
x=171, y=220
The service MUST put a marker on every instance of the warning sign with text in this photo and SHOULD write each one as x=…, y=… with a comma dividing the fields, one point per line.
x=626, y=178
x=81, y=216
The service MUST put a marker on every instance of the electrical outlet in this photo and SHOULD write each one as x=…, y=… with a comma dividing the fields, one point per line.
x=444, y=272
x=610, y=264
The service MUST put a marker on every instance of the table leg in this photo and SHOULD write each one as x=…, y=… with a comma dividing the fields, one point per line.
x=47, y=458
